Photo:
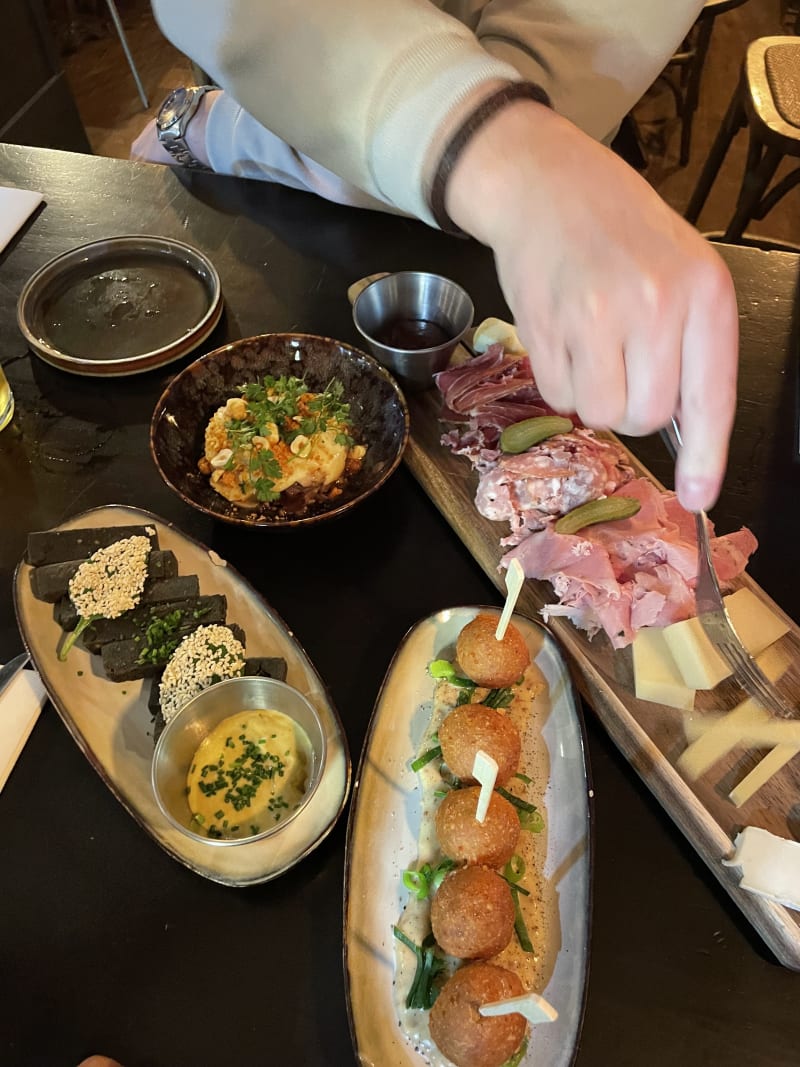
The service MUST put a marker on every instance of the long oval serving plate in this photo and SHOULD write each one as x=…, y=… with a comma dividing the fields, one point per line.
x=382, y=841
x=112, y=725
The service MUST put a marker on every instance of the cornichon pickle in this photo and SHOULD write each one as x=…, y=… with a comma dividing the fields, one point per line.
x=608, y=509
x=520, y=436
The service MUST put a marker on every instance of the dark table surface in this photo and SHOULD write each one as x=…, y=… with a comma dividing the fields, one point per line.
x=107, y=944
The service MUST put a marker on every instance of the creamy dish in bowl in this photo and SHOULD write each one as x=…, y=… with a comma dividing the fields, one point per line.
x=281, y=440
x=239, y=761
x=279, y=430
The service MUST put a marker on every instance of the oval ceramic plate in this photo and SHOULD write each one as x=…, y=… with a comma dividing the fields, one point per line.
x=112, y=725
x=382, y=842
x=120, y=306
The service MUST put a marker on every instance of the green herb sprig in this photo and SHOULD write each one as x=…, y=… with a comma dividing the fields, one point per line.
x=423, y=991
x=275, y=403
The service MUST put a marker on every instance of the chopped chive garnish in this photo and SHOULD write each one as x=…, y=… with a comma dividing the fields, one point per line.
x=518, y=802
x=425, y=758
x=498, y=698
x=423, y=992
x=520, y=928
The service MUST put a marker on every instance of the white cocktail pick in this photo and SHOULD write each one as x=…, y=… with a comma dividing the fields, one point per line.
x=484, y=770
x=515, y=576
x=535, y=1008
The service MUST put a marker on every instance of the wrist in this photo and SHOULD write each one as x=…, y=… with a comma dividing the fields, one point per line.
x=196, y=131
x=498, y=166
x=181, y=124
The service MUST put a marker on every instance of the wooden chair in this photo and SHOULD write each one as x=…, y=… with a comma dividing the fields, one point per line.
x=688, y=63
x=767, y=101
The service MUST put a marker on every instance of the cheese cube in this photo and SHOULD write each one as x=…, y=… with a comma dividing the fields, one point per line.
x=725, y=732
x=701, y=666
x=656, y=675
x=768, y=766
x=756, y=625
x=770, y=865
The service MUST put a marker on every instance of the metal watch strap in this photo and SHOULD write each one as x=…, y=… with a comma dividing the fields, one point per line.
x=175, y=143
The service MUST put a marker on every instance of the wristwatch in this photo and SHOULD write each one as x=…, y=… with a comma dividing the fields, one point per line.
x=174, y=117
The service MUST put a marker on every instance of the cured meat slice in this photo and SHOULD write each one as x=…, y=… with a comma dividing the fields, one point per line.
x=623, y=575
x=618, y=576
x=533, y=488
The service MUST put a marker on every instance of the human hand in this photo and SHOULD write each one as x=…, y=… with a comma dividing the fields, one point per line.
x=629, y=316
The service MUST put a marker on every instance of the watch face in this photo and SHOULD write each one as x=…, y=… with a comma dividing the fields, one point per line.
x=174, y=107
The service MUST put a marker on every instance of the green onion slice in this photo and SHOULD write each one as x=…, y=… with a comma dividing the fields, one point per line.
x=423, y=992
x=532, y=821
x=416, y=883
x=425, y=758
x=498, y=698
x=514, y=870
x=443, y=668
x=518, y=802
x=520, y=928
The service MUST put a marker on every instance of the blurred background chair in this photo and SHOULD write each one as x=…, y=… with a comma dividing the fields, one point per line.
x=790, y=15
x=684, y=71
x=767, y=101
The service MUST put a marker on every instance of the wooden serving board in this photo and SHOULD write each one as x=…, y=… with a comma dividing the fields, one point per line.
x=650, y=735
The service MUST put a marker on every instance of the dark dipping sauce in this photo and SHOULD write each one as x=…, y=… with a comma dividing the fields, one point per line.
x=412, y=334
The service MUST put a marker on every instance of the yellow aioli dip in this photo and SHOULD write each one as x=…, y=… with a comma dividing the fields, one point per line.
x=248, y=774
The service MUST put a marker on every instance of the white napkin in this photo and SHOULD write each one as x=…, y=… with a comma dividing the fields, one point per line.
x=20, y=704
x=16, y=205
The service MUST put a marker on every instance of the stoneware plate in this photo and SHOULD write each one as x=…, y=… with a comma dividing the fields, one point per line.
x=112, y=726
x=377, y=407
x=120, y=306
x=382, y=842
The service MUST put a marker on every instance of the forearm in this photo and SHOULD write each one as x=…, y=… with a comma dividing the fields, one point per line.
x=594, y=59
x=369, y=90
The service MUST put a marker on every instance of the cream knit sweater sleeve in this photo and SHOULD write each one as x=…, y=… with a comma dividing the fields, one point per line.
x=371, y=89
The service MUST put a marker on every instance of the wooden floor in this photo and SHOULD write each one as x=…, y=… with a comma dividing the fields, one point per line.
x=113, y=114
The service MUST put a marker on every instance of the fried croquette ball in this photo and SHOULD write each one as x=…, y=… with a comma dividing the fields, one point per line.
x=486, y=660
x=490, y=843
x=465, y=1036
x=474, y=726
x=472, y=914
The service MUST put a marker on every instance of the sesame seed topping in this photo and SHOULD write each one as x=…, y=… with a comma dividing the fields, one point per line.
x=207, y=655
x=111, y=580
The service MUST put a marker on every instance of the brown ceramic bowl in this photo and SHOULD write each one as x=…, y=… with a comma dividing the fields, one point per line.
x=377, y=407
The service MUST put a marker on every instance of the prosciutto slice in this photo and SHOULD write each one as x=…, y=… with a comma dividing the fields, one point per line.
x=487, y=394
x=623, y=575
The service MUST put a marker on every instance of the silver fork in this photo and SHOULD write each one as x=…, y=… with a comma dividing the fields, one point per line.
x=713, y=616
